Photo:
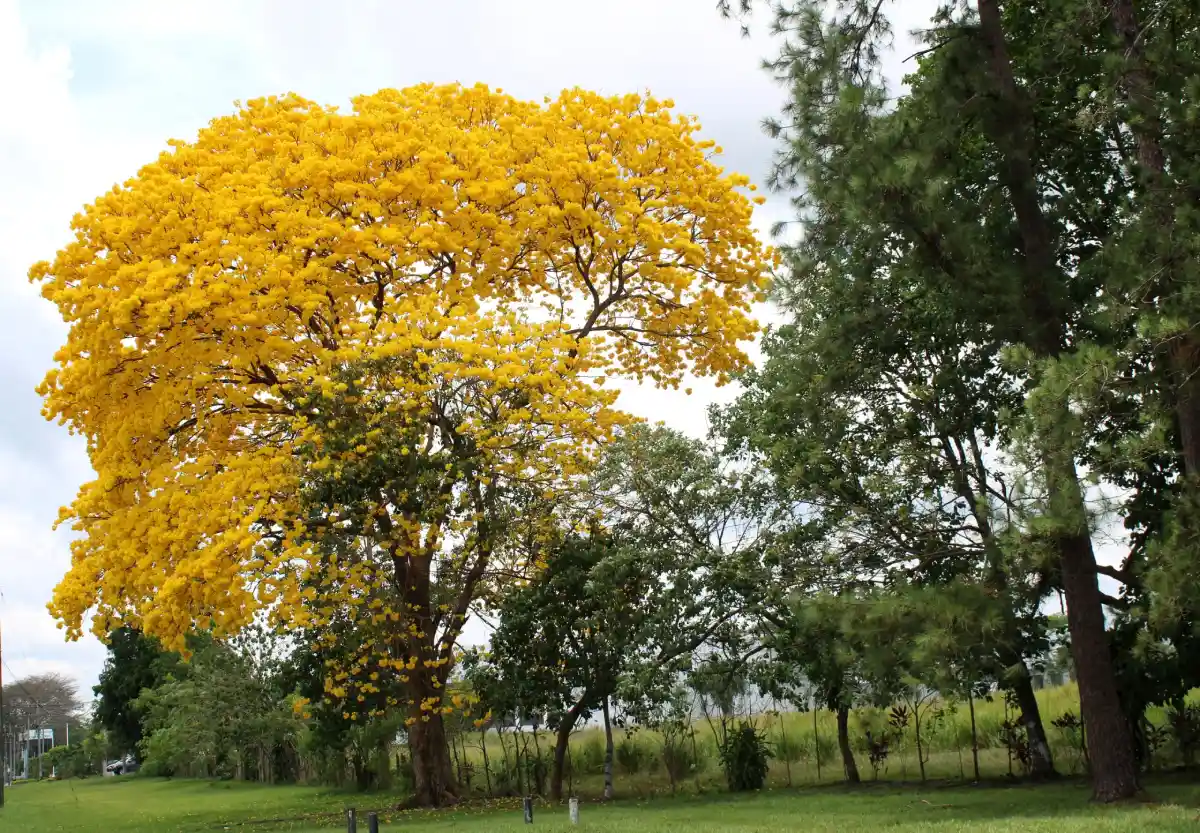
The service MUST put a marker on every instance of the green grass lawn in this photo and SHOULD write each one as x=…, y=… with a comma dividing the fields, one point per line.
x=137, y=805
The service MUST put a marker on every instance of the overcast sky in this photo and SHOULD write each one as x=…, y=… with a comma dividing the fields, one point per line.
x=92, y=90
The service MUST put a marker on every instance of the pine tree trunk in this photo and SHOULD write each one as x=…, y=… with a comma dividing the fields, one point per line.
x=1041, y=760
x=1114, y=774
x=1185, y=370
x=608, y=753
x=843, y=728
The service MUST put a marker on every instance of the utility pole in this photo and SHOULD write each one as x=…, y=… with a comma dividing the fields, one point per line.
x=4, y=760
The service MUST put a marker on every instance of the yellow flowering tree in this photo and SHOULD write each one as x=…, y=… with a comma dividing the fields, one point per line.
x=332, y=367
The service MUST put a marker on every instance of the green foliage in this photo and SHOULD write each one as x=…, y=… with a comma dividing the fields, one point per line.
x=565, y=639
x=745, y=757
x=1070, y=728
x=135, y=662
x=226, y=718
x=1184, y=722
x=631, y=757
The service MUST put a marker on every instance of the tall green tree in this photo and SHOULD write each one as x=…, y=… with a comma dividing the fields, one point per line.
x=987, y=183
x=626, y=610
x=880, y=413
x=135, y=662
x=570, y=634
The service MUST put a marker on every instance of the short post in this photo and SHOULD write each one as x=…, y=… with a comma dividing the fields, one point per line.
x=527, y=803
x=573, y=806
x=372, y=822
x=351, y=820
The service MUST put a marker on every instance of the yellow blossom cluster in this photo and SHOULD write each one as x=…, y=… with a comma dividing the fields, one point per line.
x=268, y=321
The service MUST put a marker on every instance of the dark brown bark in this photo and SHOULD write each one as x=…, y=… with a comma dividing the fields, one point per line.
x=920, y=745
x=537, y=772
x=1041, y=761
x=561, y=743
x=843, y=729
x=816, y=741
x=1183, y=352
x=433, y=773
x=787, y=759
x=608, y=753
x=974, y=736
x=487, y=765
x=1010, y=126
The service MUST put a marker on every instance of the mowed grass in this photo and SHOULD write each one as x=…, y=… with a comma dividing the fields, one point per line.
x=154, y=806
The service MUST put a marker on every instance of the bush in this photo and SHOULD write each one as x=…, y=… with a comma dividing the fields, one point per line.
x=680, y=757
x=631, y=757
x=1184, y=722
x=745, y=758
x=1070, y=729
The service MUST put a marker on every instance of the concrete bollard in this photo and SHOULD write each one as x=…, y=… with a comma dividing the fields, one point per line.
x=573, y=808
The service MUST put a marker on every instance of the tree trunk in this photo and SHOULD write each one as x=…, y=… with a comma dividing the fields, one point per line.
x=457, y=763
x=974, y=736
x=608, y=753
x=817, y=740
x=787, y=758
x=1185, y=371
x=433, y=773
x=537, y=772
x=521, y=752
x=1114, y=774
x=843, y=728
x=1041, y=761
x=920, y=746
x=487, y=766
x=562, y=742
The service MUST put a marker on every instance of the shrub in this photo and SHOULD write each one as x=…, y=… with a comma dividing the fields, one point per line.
x=1184, y=721
x=631, y=757
x=1070, y=728
x=745, y=758
x=878, y=748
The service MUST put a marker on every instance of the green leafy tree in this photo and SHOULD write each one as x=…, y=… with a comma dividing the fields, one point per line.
x=135, y=662
x=570, y=634
x=986, y=187
x=225, y=718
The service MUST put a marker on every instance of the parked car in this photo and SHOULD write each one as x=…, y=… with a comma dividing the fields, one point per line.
x=125, y=766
